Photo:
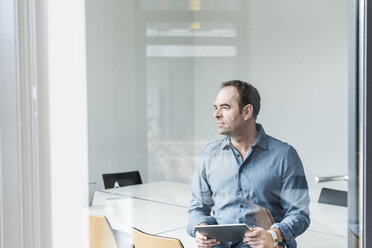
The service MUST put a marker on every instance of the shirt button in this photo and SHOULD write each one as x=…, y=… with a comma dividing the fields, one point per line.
x=240, y=189
x=241, y=205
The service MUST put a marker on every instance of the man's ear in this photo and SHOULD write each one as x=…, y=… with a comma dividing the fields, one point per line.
x=248, y=111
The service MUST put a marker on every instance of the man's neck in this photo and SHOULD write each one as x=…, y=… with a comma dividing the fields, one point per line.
x=244, y=142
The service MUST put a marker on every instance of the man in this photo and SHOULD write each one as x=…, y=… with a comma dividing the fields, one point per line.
x=247, y=171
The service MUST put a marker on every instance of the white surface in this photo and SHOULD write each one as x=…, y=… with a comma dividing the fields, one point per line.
x=312, y=239
x=68, y=128
x=328, y=226
x=164, y=191
x=324, y=218
x=148, y=216
x=328, y=219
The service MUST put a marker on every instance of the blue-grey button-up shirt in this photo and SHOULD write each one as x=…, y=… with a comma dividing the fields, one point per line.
x=224, y=186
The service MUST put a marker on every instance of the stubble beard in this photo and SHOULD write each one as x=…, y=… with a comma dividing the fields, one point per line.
x=224, y=131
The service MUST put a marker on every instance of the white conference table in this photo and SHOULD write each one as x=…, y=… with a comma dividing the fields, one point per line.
x=166, y=192
x=161, y=208
x=124, y=212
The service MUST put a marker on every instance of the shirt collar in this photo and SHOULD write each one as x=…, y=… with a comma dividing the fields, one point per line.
x=226, y=143
x=261, y=140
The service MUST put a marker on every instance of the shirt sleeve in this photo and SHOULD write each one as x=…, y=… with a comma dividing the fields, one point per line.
x=294, y=197
x=201, y=199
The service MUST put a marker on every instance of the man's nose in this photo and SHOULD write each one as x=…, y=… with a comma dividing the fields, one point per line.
x=217, y=114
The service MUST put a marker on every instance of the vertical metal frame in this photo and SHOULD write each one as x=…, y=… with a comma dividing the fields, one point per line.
x=19, y=185
x=361, y=74
x=367, y=124
x=353, y=123
x=28, y=116
x=11, y=229
x=360, y=117
x=360, y=121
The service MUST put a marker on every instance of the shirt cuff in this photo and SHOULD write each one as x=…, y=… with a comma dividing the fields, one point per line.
x=287, y=234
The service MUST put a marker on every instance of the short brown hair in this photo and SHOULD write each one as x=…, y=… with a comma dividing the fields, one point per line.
x=248, y=94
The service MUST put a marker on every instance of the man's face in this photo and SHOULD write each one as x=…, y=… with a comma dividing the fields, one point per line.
x=227, y=113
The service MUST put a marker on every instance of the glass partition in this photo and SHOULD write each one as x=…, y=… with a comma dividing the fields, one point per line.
x=155, y=67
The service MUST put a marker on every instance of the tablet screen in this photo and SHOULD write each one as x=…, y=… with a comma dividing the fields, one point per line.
x=225, y=233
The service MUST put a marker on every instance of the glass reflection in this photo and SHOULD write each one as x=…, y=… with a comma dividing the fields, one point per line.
x=193, y=5
x=194, y=29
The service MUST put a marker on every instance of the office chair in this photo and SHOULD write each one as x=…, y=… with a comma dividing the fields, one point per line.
x=145, y=240
x=100, y=233
x=121, y=179
x=333, y=197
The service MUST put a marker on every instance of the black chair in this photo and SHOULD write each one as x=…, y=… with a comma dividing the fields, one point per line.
x=333, y=197
x=121, y=179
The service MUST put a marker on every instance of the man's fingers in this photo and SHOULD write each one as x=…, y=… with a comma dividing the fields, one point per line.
x=255, y=243
x=250, y=240
x=255, y=238
x=205, y=243
x=256, y=232
x=252, y=234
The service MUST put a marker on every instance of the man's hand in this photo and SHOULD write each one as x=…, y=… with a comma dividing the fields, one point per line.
x=203, y=241
x=258, y=238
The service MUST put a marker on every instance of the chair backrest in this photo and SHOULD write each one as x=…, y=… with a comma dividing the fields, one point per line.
x=333, y=197
x=145, y=240
x=100, y=233
x=121, y=179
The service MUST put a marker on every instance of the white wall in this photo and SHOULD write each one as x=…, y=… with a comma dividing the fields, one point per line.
x=298, y=59
x=295, y=53
x=112, y=90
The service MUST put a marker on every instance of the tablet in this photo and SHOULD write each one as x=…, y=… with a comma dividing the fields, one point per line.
x=225, y=233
